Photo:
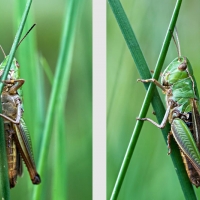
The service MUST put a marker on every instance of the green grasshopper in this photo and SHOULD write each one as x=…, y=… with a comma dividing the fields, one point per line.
x=18, y=142
x=182, y=101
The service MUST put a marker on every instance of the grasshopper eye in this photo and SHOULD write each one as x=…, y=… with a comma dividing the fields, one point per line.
x=182, y=66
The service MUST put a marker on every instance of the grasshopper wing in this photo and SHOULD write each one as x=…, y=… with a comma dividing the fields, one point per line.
x=186, y=142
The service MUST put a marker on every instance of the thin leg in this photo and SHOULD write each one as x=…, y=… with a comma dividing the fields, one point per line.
x=153, y=81
x=17, y=84
x=164, y=121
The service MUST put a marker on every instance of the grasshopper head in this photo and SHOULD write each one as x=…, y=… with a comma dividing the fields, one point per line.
x=175, y=71
x=14, y=69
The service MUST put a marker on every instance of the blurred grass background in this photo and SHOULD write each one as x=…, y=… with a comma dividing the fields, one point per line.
x=45, y=40
x=151, y=174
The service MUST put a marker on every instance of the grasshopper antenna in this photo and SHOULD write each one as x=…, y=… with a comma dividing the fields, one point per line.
x=176, y=41
x=19, y=41
x=26, y=35
x=2, y=51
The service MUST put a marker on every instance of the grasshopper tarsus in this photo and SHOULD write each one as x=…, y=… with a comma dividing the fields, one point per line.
x=142, y=80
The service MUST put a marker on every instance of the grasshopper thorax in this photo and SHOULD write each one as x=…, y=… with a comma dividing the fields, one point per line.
x=177, y=70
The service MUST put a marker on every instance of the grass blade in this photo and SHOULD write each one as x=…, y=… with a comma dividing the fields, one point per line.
x=60, y=86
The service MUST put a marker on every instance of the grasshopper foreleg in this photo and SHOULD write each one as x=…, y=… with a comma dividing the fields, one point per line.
x=152, y=80
x=17, y=83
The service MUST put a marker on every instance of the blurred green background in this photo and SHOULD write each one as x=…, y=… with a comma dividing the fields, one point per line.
x=151, y=174
x=49, y=17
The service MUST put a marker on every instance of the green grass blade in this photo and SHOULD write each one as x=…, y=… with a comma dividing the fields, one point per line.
x=59, y=90
x=65, y=59
x=4, y=182
x=159, y=109
x=16, y=41
x=59, y=184
x=46, y=67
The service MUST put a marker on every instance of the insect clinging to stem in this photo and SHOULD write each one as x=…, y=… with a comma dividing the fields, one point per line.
x=182, y=112
x=18, y=141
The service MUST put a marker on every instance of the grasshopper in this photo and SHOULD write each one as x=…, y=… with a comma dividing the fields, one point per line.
x=182, y=112
x=18, y=142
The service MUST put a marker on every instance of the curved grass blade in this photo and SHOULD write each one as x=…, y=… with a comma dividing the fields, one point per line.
x=159, y=109
x=60, y=85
